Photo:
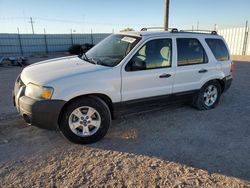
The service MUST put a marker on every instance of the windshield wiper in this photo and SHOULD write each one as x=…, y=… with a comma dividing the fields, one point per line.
x=93, y=61
x=85, y=57
x=104, y=64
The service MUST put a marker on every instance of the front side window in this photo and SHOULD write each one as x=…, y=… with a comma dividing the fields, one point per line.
x=112, y=50
x=154, y=54
x=218, y=48
x=190, y=51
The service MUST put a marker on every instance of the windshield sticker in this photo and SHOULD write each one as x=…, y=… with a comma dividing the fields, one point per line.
x=128, y=39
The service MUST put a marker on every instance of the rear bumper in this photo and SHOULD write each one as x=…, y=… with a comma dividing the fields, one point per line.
x=227, y=82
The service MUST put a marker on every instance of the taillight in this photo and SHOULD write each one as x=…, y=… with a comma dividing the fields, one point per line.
x=231, y=67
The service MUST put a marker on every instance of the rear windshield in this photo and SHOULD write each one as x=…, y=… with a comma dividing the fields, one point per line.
x=218, y=48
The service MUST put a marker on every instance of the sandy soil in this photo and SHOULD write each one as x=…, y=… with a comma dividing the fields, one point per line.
x=40, y=158
x=241, y=58
x=177, y=146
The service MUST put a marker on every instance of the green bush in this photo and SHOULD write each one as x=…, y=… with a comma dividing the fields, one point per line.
x=77, y=49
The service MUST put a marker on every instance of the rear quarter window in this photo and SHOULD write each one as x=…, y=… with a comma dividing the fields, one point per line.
x=190, y=52
x=218, y=48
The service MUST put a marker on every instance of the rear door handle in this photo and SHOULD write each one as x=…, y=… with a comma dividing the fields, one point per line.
x=165, y=75
x=202, y=70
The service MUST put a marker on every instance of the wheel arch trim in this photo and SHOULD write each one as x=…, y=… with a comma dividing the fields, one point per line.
x=106, y=99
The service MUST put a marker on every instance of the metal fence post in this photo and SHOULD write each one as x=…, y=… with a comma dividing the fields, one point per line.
x=92, y=40
x=45, y=42
x=20, y=42
x=245, y=39
x=246, y=42
x=71, y=36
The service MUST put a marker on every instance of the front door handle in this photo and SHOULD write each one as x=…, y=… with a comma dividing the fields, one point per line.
x=164, y=75
x=202, y=70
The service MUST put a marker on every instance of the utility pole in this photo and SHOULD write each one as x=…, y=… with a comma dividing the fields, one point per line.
x=32, y=27
x=215, y=27
x=166, y=15
x=198, y=24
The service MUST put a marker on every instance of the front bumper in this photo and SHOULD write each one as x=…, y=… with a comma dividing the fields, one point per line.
x=41, y=113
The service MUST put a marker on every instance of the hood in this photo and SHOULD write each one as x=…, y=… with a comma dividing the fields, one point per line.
x=42, y=73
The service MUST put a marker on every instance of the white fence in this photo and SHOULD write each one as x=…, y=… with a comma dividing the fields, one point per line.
x=238, y=40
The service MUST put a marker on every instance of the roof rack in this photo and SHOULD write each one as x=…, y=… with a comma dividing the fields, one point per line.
x=175, y=30
x=147, y=28
x=201, y=31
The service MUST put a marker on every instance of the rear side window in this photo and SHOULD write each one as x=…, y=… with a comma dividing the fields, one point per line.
x=218, y=48
x=190, y=52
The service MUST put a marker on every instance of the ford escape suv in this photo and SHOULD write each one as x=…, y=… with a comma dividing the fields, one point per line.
x=80, y=95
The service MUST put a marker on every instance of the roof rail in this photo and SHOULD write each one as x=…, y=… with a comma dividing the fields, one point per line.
x=147, y=28
x=200, y=31
x=175, y=30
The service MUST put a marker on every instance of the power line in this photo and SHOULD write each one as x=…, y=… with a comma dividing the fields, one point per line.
x=78, y=22
x=12, y=18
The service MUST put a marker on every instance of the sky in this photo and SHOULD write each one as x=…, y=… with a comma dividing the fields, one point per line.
x=80, y=16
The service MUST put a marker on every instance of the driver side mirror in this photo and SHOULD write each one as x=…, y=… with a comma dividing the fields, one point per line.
x=138, y=65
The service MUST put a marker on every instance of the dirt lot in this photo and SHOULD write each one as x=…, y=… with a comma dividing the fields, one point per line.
x=177, y=146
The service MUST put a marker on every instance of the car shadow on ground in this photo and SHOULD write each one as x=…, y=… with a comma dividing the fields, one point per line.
x=217, y=140
x=209, y=140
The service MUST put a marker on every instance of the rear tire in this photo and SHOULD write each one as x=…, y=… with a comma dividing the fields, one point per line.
x=208, y=97
x=85, y=120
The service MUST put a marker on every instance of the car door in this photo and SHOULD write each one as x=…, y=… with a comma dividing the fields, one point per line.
x=149, y=73
x=192, y=65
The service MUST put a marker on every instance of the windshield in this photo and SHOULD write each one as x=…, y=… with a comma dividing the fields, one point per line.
x=112, y=50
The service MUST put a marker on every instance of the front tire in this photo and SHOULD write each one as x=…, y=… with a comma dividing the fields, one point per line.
x=85, y=120
x=209, y=96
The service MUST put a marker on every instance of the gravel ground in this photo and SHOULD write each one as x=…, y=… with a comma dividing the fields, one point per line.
x=177, y=146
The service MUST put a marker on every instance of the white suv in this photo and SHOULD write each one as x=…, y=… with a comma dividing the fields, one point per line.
x=80, y=95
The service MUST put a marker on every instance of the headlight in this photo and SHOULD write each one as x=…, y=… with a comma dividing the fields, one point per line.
x=38, y=92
